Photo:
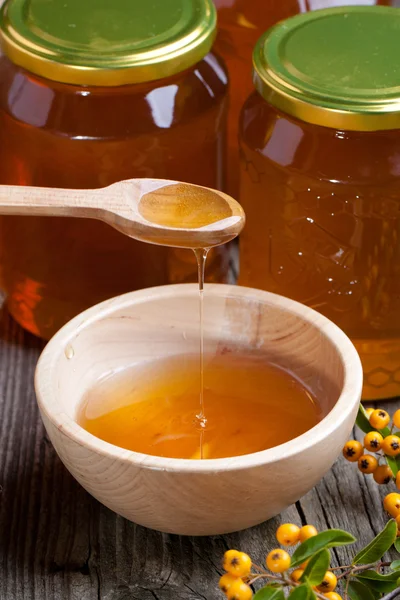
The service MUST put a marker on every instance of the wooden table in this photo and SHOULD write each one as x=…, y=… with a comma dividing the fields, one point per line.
x=58, y=543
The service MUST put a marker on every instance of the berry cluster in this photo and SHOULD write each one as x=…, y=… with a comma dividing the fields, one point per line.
x=384, y=443
x=238, y=577
x=278, y=561
x=237, y=565
x=306, y=573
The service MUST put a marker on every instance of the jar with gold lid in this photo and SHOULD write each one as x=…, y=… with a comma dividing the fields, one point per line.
x=91, y=93
x=320, y=176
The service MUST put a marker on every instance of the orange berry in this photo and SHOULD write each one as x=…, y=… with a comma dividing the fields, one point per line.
x=328, y=583
x=288, y=534
x=391, y=504
x=379, y=419
x=352, y=450
x=333, y=596
x=226, y=581
x=307, y=532
x=383, y=474
x=398, y=480
x=373, y=441
x=278, y=561
x=304, y=564
x=239, y=591
x=296, y=575
x=391, y=445
x=369, y=411
x=367, y=464
x=396, y=418
x=237, y=563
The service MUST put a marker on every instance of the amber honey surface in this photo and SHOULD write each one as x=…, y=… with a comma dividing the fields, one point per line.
x=86, y=137
x=249, y=405
x=323, y=227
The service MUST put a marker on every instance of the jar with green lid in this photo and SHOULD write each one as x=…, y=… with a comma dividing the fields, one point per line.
x=91, y=93
x=320, y=176
x=240, y=24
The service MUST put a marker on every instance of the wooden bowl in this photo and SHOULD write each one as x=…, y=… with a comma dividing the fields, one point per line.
x=187, y=496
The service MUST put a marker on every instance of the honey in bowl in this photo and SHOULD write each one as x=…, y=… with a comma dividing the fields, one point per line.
x=250, y=405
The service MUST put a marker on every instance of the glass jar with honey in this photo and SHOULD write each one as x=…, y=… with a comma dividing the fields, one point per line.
x=91, y=93
x=320, y=176
x=240, y=24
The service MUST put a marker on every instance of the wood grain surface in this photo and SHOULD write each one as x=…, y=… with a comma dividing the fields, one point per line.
x=57, y=543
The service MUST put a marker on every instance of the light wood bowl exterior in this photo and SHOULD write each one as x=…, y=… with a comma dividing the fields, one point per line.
x=198, y=497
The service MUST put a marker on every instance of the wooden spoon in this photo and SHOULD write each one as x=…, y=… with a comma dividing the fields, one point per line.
x=158, y=211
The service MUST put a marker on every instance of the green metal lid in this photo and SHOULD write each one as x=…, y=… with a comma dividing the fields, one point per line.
x=106, y=42
x=337, y=67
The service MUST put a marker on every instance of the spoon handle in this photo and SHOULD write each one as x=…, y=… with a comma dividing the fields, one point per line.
x=27, y=200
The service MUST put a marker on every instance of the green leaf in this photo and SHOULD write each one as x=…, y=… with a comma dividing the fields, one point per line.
x=317, y=567
x=397, y=544
x=379, y=545
x=362, y=422
x=359, y=591
x=395, y=565
x=303, y=592
x=269, y=593
x=380, y=583
x=325, y=539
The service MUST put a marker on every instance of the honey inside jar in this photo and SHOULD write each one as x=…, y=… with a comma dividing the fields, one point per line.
x=321, y=191
x=250, y=405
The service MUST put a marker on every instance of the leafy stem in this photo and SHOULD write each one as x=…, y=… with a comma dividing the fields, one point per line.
x=351, y=569
x=307, y=575
x=282, y=580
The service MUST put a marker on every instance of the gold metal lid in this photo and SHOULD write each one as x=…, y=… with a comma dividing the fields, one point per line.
x=104, y=42
x=335, y=67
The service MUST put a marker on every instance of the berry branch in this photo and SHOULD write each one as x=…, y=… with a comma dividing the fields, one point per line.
x=382, y=440
x=307, y=575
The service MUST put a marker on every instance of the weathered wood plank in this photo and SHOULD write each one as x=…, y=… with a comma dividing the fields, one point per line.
x=56, y=542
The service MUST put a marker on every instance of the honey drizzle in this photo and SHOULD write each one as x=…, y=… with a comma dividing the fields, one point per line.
x=201, y=256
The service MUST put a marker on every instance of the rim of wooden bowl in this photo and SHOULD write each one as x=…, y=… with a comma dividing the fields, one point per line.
x=349, y=397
